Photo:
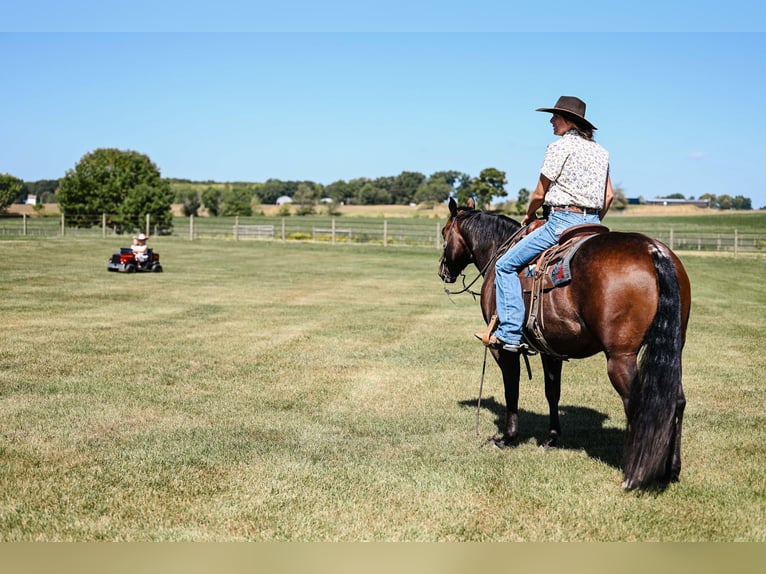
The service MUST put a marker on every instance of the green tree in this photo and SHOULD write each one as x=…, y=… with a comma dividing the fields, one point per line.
x=522, y=201
x=404, y=187
x=370, y=194
x=435, y=190
x=340, y=191
x=725, y=201
x=190, y=200
x=10, y=188
x=491, y=184
x=237, y=200
x=742, y=202
x=143, y=200
x=212, y=198
x=305, y=197
x=101, y=182
x=464, y=189
x=620, y=201
x=273, y=189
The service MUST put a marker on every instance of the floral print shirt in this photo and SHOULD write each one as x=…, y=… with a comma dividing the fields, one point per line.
x=578, y=169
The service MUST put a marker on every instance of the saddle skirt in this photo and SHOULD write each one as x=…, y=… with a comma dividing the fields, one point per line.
x=551, y=267
x=549, y=270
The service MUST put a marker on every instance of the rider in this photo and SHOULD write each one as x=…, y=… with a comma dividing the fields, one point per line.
x=575, y=185
x=140, y=249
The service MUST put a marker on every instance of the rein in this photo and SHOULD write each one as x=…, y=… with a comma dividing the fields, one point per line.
x=499, y=252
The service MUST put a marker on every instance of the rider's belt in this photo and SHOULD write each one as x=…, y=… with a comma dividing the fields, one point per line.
x=575, y=209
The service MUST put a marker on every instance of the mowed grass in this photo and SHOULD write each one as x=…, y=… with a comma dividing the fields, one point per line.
x=266, y=391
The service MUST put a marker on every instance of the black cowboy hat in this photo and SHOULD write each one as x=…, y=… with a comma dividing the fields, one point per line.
x=571, y=108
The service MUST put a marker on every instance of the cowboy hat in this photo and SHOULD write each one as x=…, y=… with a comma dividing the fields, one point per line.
x=141, y=237
x=571, y=108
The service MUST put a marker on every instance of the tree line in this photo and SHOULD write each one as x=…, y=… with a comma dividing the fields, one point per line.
x=407, y=188
x=128, y=186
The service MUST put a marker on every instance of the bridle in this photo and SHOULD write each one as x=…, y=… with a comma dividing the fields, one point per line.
x=499, y=252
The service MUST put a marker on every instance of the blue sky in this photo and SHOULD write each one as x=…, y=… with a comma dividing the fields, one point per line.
x=324, y=91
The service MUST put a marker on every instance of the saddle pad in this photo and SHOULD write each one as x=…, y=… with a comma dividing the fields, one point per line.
x=558, y=272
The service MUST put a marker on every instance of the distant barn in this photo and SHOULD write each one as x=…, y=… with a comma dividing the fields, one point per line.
x=664, y=201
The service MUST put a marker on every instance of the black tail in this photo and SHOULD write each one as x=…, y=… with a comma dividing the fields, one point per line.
x=653, y=396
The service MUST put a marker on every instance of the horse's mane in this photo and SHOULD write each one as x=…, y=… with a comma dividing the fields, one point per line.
x=486, y=228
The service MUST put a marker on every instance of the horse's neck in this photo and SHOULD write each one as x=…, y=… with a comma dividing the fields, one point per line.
x=484, y=250
x=484, y=257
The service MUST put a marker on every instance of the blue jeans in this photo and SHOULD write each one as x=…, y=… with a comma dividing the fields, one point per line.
x=510, y=303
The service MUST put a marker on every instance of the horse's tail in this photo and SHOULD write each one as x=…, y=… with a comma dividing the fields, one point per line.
x=653, y=396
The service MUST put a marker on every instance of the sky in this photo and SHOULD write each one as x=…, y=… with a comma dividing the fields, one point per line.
x=324, y=91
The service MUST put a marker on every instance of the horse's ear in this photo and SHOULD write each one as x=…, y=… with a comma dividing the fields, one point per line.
x=471, y=204
x=452, y=206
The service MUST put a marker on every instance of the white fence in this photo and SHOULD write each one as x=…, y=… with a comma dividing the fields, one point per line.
x=405, y=231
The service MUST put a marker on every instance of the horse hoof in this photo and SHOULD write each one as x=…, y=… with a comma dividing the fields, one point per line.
x=629, y=484
x=503, y=442
x=552, y=441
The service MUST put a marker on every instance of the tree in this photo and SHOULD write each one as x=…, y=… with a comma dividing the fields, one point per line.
x=190, y=200
x=103, y=179
x=10, y=188
x=305, y=196
x=491, y=184
x=742, y=202
x=464, y=189
x=620, y=202
x=370, y=194
x=143, y=200
x=237, y=200
x=436, y=190
x=405, y=186
x=339, y=191
x=212, y=198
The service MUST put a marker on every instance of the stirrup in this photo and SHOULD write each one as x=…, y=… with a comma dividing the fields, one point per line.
x=486, y=337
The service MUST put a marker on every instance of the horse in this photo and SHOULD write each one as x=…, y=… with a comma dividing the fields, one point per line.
x=629, y=297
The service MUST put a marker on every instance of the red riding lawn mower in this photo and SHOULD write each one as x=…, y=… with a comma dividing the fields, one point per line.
x=125, y=260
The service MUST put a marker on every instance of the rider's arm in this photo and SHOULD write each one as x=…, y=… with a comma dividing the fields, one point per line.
x=608, y=197
x=537, y=199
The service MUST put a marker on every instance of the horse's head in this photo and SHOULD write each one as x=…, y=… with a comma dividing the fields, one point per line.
x=456, y=255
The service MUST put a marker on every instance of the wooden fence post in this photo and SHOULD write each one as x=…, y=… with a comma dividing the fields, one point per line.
x=385, y=233
x=191, y=227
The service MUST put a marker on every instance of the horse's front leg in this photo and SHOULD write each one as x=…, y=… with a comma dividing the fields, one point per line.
x=552, y=371
x=510, y=366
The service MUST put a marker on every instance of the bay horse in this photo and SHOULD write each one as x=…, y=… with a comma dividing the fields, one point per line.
x=629, y=297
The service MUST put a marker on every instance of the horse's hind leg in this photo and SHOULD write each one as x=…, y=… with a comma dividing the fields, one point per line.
x=622, y=371
x=552, y=371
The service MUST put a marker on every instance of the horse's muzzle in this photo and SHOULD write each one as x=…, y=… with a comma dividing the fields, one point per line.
x=445, y=275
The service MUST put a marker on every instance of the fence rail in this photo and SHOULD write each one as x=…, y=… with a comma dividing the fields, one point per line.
x=388, y=232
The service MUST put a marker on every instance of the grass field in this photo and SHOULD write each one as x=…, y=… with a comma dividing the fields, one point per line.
x=302, y=392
